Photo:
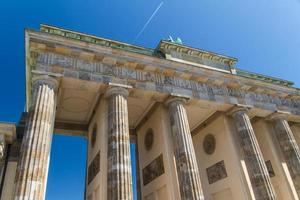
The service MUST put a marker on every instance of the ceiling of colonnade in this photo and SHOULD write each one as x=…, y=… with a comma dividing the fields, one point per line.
x=78, y=100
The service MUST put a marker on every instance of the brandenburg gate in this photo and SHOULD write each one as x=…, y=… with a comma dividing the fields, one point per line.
x=203, y=129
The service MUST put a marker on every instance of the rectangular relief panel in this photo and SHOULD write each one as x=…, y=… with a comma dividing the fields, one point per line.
x=94, y=168
x=153, y=170
x=216, y=172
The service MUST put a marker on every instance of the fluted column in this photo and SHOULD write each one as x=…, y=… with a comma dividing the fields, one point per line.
x=288, y=146
x=32, y=170
x=257, y=170
x=186, y=164
x=119, y=183
x=3, y=150
x=2, y=146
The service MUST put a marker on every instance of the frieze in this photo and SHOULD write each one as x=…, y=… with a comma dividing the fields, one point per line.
x=99, y=71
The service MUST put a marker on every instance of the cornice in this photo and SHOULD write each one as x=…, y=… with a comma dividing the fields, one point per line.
x=264, y=78
x=165, y=45
x=95, y=40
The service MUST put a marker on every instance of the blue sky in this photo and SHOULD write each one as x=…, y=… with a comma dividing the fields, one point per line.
x=263, y=35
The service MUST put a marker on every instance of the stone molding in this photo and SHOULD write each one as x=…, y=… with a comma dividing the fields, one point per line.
x=95, y=40
x=166, y=45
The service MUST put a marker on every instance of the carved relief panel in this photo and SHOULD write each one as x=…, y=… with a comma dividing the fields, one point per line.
x=216, y=172
x=94, y=168
x=153, y=170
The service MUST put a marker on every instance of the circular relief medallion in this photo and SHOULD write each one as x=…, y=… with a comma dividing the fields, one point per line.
x=94, y=136
x=209, y=144
x=149, y=137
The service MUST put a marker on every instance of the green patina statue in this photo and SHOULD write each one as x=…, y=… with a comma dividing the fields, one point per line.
x=177, y=41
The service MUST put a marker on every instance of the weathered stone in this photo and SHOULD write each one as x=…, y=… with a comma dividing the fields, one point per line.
x=256, y=166
x=153, y=170
x=186, y=164
x=94, y=168
x=216, y=172
x=3, y=150
x=288, y=146
x=167, y=84
x=119, y=183
x=33, y=164
x=87, y=65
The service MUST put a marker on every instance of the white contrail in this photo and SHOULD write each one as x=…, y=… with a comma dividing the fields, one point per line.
x=149, y=20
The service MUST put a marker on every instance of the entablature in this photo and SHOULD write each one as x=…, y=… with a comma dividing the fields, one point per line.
x=170, y=50
x=75, y=59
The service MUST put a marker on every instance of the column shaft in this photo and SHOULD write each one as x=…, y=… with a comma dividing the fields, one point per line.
x=3, y=160
x=119, y=183
x=289, y=148
x=259, y=176
x=186, y=164
x=33, y=164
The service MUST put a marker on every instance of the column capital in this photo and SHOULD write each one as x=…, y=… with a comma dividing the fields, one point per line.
x=45, y=80
x=278, y=115
x=175, y=99
x=116, y=90
x=239, y=108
